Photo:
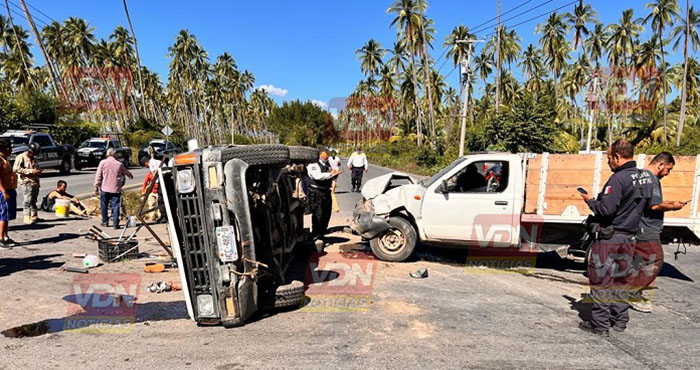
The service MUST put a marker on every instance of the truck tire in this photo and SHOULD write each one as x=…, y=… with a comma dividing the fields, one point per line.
x=273, y=155
x=285, y=296
x=65, y=166
x=77, y=166
x=302, y=154
x=396, y=244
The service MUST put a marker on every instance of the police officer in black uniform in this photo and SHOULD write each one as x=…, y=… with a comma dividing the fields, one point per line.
x=617, y=211
x=320, y=199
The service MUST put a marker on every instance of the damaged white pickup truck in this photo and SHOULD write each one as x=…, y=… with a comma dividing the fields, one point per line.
x=498, y=200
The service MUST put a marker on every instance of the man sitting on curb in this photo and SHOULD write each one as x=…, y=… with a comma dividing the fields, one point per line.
x=60, y=192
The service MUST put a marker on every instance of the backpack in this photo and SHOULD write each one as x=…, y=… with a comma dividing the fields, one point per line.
x=47, y=204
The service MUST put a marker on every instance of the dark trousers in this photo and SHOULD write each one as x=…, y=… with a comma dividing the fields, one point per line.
x=608, y=272
x=113, y=201
x=648, y=260
x=356, y=177
x=321, y=206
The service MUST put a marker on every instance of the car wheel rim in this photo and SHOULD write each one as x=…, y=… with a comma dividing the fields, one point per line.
x=393, y=241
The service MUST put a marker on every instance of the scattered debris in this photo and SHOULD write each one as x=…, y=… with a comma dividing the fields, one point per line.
x=163, y=286
x=153, y=267
x=79, y=255
x=75, y=269
x=421, y=273
x=90, y=261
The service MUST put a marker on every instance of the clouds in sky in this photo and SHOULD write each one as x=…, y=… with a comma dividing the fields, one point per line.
x=319, y=103
x=274, y=90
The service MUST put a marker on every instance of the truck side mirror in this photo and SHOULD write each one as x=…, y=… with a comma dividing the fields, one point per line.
x=443, y=187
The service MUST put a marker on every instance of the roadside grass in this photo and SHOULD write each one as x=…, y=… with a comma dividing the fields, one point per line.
x=404, y=155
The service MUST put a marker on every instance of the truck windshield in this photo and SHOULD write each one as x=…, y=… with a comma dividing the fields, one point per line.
x=94, y=144
x=427, y=182
x=17, y=140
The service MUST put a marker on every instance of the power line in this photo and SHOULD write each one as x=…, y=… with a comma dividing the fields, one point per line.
x=476, y=27
x=23, y=16
x=481, y=29
x=538, y=16
x=40, y=12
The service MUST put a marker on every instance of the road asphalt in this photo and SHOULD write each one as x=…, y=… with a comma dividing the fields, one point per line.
x=454, y=318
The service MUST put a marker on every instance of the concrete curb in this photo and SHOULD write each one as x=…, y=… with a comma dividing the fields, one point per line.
x=92, y=195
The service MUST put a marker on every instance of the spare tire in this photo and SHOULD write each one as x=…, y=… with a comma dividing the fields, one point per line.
x=303, y=154
x=258, y=155
x=290, y=295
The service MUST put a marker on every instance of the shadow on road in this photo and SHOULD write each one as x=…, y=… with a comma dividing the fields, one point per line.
x=42, y=262
x=668, y=270
x=52, y=239
x=584, y=309
x=145, y=312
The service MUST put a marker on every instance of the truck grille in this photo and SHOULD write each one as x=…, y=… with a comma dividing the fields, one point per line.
x=195, y=252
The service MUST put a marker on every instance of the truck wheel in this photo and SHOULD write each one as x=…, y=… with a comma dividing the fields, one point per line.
x=258, y=155
x=290, y=295
x=65, y=166
x=302, y=154
x=78, y=167
x=396, y=244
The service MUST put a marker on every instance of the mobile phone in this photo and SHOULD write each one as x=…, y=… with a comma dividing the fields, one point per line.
x=582, y=190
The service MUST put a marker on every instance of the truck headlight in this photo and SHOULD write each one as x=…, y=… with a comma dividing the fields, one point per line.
x=185, y=181
x=205, y=305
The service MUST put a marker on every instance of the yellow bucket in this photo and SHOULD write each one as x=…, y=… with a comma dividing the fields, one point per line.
x=62, y=207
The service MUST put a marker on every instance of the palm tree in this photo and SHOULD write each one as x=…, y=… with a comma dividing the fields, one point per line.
x=370, y=56
x=553, y=41
x=458, y=47
x=622, y=38
x=49, y=63
x=688, y=31
x=663, y=13
x=483, y=65
x=531, y=62
x=398, y=59
x=408, y=19
x=582, y=15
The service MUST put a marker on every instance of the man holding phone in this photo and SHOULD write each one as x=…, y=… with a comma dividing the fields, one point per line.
x=320, y=200
x=617, y=211
x=648, y=250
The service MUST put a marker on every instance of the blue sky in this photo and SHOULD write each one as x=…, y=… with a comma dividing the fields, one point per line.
x=304, y=47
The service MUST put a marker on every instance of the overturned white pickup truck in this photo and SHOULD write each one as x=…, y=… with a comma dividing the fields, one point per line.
x=506, y=200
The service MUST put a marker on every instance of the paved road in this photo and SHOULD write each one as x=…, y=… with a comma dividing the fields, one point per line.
x=455, y=318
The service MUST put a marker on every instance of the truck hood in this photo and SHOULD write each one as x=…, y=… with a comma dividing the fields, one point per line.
x=381, y=184
x=89, y=150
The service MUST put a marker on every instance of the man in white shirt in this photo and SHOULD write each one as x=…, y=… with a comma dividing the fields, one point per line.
x=358, y=165
x=322, y=176
x=334, y=161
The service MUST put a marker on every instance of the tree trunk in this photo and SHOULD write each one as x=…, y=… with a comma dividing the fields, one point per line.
x=498, y=58
x=428, y=83
x=419, y=124
x=684, y=92
x=663, y=80
x=21, y=55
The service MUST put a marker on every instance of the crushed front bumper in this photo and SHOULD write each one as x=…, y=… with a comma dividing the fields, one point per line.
x=366, y=223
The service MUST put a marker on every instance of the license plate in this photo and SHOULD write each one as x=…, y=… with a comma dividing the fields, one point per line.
x=226, y=241
x=83, y=154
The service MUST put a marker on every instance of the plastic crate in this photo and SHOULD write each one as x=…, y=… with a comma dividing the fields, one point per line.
x=110, y=248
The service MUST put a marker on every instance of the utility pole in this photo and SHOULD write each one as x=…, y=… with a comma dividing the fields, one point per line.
x=468, y=65
x=684, y=90
x=138, y=59
x=591, y=111
x=498, y=58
